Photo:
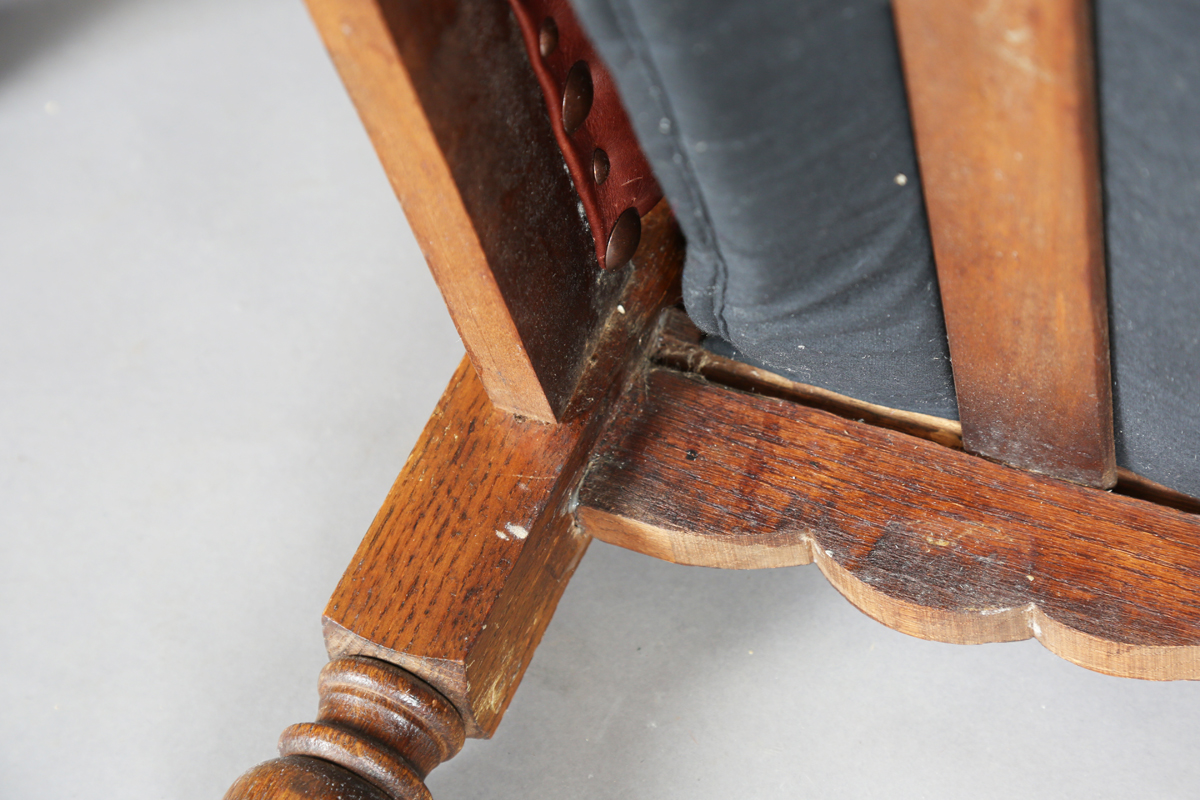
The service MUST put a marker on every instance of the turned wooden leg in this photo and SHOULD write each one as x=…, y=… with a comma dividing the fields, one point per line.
x=379, y=731
x=439, y=612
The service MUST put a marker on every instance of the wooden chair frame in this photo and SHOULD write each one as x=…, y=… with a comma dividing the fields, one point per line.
x=587, y=406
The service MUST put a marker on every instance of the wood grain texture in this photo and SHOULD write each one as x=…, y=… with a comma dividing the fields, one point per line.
x=477, y=513
x=447, y=94
x=929, y=540
x=680, y=345
x=303, y=778
x=1004, y=111
x=379, y=731
x=464, y=564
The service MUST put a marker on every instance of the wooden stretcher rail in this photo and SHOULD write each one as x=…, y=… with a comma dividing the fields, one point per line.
x=929, y=540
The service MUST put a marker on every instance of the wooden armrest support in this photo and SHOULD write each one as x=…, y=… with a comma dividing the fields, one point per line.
x=447, y=94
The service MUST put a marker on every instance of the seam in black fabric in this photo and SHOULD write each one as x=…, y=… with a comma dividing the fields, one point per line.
x=627, y=22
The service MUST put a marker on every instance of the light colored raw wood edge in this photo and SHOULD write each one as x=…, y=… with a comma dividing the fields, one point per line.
x=723, y=371
x=679, y=347
x=362, y=48
x=978, y=626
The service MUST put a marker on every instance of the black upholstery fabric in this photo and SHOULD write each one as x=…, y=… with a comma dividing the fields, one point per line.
x=1149, y=69
x=778, y=128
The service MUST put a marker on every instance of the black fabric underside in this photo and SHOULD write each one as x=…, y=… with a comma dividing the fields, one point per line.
x=1149, y=71
x=778, y=128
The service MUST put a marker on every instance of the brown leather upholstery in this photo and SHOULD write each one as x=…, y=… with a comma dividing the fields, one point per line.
x=610, y=172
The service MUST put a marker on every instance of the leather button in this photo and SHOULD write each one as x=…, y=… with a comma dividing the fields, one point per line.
x=600, y=166
x=548, y=37
x=623, y=241
x=577, y=97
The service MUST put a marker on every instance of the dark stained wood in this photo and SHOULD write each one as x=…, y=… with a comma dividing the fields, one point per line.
x=379, y=731
x=451, y=103
x=1004, y=111
x=929, y=540
x=465, y=562
x=680, y=346
x=303, y=778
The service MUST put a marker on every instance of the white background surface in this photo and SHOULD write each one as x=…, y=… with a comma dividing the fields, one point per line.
x=218, y=343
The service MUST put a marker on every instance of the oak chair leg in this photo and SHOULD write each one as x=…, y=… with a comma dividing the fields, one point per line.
x=379, y=732
x=438, y=614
